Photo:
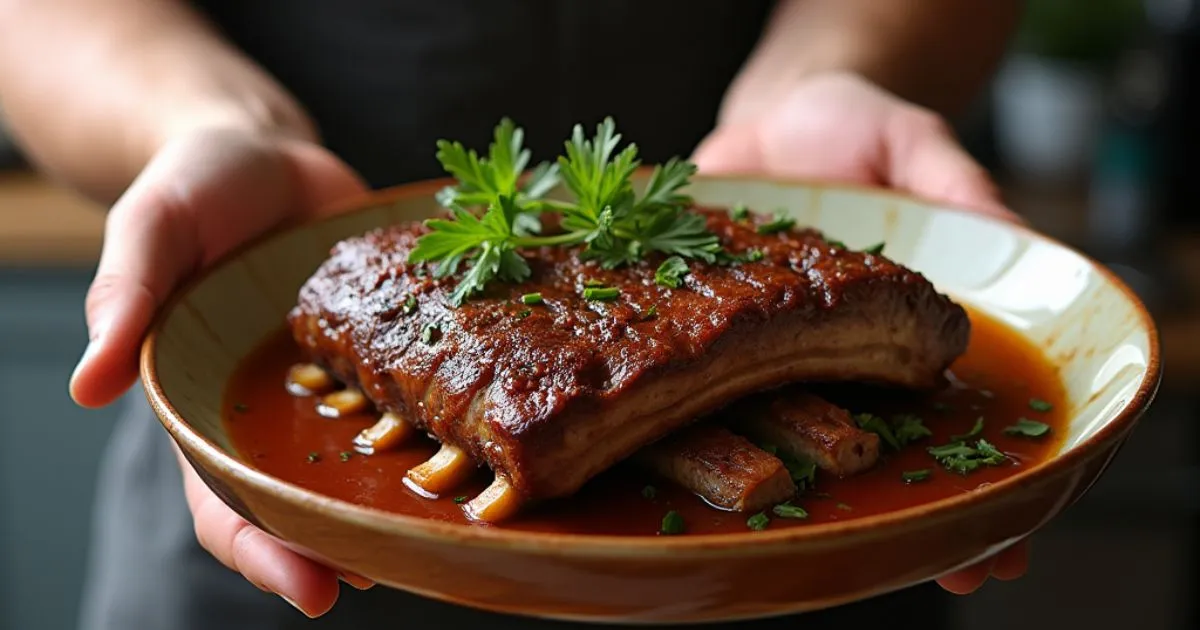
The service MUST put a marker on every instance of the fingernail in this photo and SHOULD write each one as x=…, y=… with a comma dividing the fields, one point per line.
x=357, y=581
x=90, y=350
x=296, y=606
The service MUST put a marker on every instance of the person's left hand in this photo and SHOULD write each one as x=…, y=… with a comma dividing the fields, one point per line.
x=841, y=128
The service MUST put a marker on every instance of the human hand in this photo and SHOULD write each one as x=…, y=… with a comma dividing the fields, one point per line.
x=839, y=127
x=201, y=196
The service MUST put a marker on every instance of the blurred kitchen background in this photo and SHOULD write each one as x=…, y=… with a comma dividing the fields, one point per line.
x=1090, y=127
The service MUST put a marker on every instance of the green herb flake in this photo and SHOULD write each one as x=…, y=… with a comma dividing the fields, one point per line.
x=672, y=524
x=844, y=507
x=802, y=470
x=313, y=457
x=410, y=304
x=909, y=428
x=241, y=407
x=879, y=426
x=671, y=272
x=592, y=283
x=914, y=476
x=460, y=500
x=758, y=522
x=532, y=299
x=601, y=294
x=739, y=212
x=769, y=448
x=836, y=243
x=345, y=455
x=976, y=429
x=524, y=313
x=1040, y=405
x=649, y=492
x=754, y=255
x=1025, y=427
x=430, y=333
x=781, y=223
x=787, y=510
x=875, y=249
x=960, y=458
x=650, y=313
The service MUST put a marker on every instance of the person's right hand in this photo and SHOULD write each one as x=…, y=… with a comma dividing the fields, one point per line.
x=201, y=196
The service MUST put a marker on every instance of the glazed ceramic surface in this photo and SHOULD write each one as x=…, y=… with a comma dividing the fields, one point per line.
x=1083, y=318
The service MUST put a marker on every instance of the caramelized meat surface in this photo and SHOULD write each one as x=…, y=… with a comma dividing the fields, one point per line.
x=550, y=395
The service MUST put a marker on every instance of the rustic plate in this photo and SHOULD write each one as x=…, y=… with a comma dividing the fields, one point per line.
x=1081, y=315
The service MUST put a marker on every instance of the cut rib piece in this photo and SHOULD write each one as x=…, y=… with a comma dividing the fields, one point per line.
x=448, y=467
x=551, y=395
x=724, y=469
x=802, y=424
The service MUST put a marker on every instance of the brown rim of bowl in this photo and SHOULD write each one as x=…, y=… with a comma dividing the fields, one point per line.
x=608, y=545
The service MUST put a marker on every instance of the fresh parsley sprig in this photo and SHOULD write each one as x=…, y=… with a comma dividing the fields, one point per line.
x=607, y=218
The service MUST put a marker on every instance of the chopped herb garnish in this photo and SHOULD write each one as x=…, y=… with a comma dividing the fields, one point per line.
x=592, y=283
x=410, y=304
x=1027, y=428
x=649, y=492
x=835, y=243
x=522, y=314
x=909, y=428
x=844, y=507
x=802, y=470
x=758, y=522
x=976, y=429
x=739, y=212
x=650, y=313
x=314, y=457
x=960, y=458
x=787, y=510
x=606, y=218
x=601, y=294
x=1038, y=404
x=532, y=299
x=879, y=426
x=753, y=255
x=460, y=500
x=346, y=455
x=672, y=524
x=430, y=333
x=781, y=223
x=913, y=476
x=769, y=448
x=240, y=407
x=875, y=249
x=671, y=272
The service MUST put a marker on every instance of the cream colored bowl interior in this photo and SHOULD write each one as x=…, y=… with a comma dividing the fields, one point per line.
x=1082, y=319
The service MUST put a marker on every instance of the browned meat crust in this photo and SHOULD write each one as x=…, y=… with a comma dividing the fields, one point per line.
x=551, y=395
x=723, y=468
x=802, y=424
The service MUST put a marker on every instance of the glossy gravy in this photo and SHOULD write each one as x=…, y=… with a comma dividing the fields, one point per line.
x=1001, y=378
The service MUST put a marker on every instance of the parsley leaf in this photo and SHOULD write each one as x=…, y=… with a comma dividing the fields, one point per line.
x=781, y=223
x=1038, y=404
x=1027, y=428
x=877, y=425
x=671, y=272
x=481, y=180
x=875, y=249
x=672, y=524
x=909, y=428
x=787, y=510
x=960, y=458
x=913, y=476
x=758, y=522
x=976, y=429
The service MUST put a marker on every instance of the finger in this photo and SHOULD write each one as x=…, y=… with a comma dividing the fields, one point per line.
x=1013, y=562
x=261, y=559
x=925, y=159
x=728, y=150
x=967, y=580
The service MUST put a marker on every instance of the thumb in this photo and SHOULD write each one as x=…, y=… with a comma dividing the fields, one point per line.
x=728, y=150
x=196, y=200
x=926, y=160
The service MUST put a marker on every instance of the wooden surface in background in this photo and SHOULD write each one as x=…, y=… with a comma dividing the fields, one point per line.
x=44, y=225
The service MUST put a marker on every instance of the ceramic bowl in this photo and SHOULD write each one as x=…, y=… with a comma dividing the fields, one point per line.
x=1086, y=321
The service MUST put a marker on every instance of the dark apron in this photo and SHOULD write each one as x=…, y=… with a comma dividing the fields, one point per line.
x=384, y=80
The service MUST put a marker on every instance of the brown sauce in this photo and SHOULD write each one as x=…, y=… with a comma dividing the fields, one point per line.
x=998, y=377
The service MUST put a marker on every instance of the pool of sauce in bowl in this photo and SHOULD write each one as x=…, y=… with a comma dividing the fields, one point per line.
x=998, y=377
